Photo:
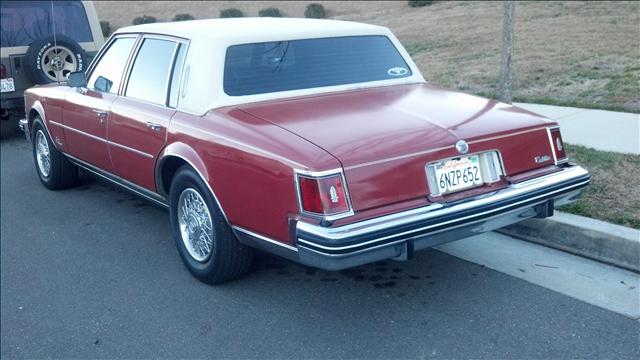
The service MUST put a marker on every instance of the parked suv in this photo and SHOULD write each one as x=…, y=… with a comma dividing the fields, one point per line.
x=42, y=42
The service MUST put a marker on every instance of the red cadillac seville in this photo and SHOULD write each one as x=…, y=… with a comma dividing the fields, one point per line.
x=315, y=140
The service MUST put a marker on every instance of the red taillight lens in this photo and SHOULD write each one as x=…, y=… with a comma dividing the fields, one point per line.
x=557, y=144
x=323, y=195
x=3, y=71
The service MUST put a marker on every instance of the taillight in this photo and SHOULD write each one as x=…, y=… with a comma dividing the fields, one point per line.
x=3, y=71
x=324, y=195
x=556, y=143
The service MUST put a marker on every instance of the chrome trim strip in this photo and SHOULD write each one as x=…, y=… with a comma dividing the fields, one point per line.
x=320, y=174
x=118, y=181
x=452, y=146
x=264, y=238
x=130, y=149
x=507, y=135
x=373, y=248
x=102, y=140
x=553, y=150
x=435, y=210
x=255, y=149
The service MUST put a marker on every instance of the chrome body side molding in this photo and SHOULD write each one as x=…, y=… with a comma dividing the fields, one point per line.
x=138, y=190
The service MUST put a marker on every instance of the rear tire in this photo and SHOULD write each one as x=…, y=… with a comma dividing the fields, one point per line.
x=205, y=242
x=54, y=169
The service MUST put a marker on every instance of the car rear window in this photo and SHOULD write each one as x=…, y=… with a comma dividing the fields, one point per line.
x=26, y=21
x=310, y=63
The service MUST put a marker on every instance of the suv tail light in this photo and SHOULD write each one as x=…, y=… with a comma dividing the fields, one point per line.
x=323, y=195
x=3, y=71
x=557, y=145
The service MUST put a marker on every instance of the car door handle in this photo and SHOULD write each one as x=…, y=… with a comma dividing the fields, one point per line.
x=153, y=126
x=101, y=114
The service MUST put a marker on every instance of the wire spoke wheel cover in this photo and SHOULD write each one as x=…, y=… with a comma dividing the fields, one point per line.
x=196, y=227
x=57, y=62
x=43, y=155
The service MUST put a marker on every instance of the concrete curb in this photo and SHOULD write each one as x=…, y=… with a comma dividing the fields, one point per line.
x=612, y=244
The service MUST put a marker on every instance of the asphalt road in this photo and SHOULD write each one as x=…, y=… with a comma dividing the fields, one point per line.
x=93, y=272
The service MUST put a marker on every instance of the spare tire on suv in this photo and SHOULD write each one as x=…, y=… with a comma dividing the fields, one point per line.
x=51, y=59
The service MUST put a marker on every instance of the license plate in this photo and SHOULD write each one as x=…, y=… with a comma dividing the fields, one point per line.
x=6, y=85
x=458, y=174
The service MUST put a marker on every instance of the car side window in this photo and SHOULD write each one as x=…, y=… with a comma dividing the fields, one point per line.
x=107, y=74
x=150, y=73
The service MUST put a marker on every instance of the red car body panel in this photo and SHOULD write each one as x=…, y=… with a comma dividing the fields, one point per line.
x=80, y=113
x=142, y=127
x=381, y=137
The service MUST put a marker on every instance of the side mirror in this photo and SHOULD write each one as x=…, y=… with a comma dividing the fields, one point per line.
x=102, y=84
x=77, y=79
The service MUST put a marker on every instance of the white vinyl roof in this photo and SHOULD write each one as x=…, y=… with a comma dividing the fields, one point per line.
x=253, y=29
x=202, y=76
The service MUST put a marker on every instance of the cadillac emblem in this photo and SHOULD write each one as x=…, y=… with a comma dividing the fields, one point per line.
x=462, y=147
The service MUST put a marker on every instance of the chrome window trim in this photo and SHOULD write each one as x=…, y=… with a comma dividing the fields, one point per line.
x=434, y=210
x=321, y=174
x=101, y=53
x=136, y=49
x=135, y=151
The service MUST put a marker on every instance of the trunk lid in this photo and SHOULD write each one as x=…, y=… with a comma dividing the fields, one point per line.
x=385, y=136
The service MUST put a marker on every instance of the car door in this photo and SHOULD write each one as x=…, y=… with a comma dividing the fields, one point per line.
x=86, y=111
x=139, y=119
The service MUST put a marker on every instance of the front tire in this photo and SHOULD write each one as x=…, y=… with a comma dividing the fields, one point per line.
x=54, y=169
x=204, y=240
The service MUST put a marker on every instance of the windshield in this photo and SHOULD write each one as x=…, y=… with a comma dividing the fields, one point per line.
x=303, y=64
x=26, y=21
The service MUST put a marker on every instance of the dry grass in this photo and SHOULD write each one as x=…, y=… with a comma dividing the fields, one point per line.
x=574, y=53
x=614, y=192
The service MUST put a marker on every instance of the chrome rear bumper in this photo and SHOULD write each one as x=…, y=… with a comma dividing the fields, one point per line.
x=398, y=235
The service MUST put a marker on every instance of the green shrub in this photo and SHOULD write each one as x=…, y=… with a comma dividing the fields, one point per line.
x=420, y=3
x=106, y=28
x=231, y=13
x=183, y=17
x=144, y=19
x=270, y=12
x=315, y=11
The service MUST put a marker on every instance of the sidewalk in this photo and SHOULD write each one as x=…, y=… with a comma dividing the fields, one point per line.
x=599, y=129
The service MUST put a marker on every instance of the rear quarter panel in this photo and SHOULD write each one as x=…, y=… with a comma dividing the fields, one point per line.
x=249, y=164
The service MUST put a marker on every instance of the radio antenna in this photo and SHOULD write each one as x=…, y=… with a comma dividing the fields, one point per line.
x=55, y=41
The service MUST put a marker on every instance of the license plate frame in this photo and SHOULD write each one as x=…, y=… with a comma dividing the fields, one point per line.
x=490, y=169
x=7, y=85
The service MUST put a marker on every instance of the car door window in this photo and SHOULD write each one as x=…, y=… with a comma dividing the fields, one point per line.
x=149, y=76
x=107, y=74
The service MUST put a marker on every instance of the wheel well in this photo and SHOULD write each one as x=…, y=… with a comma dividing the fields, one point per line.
x=168, y=168
x=32, y=115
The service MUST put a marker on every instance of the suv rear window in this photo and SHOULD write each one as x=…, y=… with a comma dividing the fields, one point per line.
x=23, y=22
x=302, y=64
